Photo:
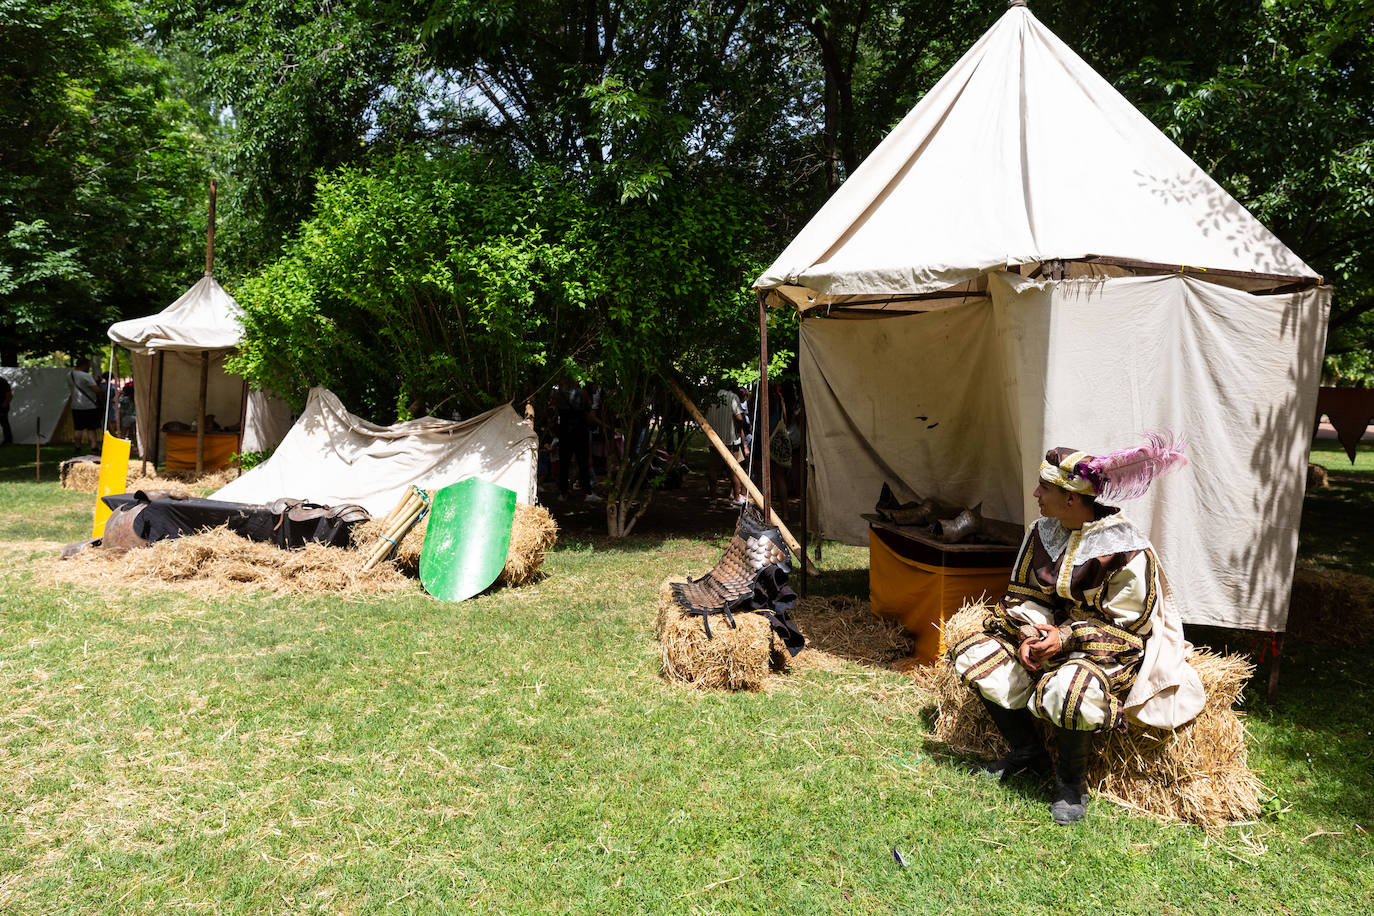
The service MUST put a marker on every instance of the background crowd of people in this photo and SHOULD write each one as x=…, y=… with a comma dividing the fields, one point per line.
x=581, y=445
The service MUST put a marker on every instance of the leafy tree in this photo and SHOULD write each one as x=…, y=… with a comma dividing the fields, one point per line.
x=306, y=86
x=102, y=169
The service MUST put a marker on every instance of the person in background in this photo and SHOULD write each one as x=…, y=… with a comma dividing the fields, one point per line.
x=726, y=417
x=127, y=415
x=85, y=404
x=6, y=397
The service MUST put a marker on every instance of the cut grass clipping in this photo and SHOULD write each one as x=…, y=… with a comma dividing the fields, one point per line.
x=219, y=562
x=1197, y=773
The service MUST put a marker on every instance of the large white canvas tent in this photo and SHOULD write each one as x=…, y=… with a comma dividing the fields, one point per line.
x=167, y=351
x=1040, y=266
x=331, y=457
x=41, y=398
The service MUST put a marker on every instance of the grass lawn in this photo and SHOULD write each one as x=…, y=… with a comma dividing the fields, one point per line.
x=518, y=752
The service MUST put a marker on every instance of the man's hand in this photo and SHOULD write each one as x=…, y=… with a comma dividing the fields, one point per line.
x=1033, y=652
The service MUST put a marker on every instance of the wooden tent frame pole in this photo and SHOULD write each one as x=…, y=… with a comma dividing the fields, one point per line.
x=205, y=354
x=157, y=407
x=805, y=480
x=210, y=235
x=200, y=412
x=762, y=430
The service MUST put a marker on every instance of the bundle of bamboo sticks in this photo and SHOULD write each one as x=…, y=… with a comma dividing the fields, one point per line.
x=398, y=521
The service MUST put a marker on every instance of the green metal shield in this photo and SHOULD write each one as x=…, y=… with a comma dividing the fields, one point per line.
x=467, y=538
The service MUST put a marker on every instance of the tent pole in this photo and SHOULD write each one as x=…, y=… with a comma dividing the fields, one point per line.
x=210, y=235
x=243, y=421
x=804, y=479
x=157, y=407
x=37, y=449
x=200, y=412
x=762, y=430
x=148, y=403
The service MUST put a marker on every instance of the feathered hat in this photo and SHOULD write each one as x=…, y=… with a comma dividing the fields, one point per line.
x=1122, y=474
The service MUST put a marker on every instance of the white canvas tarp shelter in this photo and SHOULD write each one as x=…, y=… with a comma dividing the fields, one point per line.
x=1040, y=266
x=166, y=351
x=41, y=397
x=331, y=457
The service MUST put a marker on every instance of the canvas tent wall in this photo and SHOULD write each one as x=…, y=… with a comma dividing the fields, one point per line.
x=41, y=399
x=166, y=351
x=331, y=457
x=1019, y=243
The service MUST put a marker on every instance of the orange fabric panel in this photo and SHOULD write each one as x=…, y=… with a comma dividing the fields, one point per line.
x=921, y=597
x=181, y=450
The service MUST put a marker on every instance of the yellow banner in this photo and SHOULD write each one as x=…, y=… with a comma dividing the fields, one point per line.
x=114, y=475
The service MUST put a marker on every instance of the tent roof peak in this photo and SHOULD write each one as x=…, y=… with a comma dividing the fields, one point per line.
x=1021, y=154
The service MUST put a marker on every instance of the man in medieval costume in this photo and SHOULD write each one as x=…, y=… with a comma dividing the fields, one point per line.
x=1084, y=638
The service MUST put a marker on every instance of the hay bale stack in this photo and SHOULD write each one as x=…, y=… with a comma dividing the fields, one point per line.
x=218, y=561
x=1317, y=476
x=734, y=658
x=1197, y=773
x=78, y=475
x=1331, y=607
x=533, y=532
x=84, y=477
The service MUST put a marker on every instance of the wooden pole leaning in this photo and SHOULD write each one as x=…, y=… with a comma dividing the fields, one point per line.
x=396, y=525
x=735, y=468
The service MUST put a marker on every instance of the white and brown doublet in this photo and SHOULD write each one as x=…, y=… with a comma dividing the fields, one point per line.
x=1100, y=586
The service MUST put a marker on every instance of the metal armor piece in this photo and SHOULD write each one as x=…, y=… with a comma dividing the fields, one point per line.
x=731, y=583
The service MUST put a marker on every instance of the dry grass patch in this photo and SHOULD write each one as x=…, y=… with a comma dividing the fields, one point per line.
x=219, y=562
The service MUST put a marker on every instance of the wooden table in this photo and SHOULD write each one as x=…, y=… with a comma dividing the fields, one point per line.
x=921, y=581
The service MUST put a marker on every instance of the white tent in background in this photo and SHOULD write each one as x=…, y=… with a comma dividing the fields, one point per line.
x=331, y=457
x=1046, y=268
x=41, y=397
x=168, y=349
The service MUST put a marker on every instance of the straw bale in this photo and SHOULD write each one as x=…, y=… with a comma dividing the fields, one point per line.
x=533, y=532
x=84, y=477
x=217, y=561
x=734, y=658
x=1317, y=476
x=1331, y=607
x=1198, y=773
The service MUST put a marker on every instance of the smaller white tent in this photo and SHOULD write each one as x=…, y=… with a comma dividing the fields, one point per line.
x=166, y=353
x=332, y=457
x=40, y=402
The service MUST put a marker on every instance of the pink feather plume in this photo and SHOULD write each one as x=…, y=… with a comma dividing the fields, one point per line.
x=1127, y=473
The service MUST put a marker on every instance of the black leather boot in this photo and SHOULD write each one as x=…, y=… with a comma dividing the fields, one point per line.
x=1071, y=777
x=1028, y=753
